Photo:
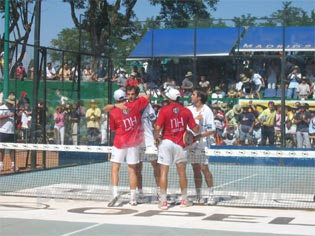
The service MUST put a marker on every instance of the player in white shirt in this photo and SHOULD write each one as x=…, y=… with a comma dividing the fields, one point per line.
x=203, y=116
x=148, y=151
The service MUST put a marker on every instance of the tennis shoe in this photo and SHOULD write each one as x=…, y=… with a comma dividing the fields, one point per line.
x=133, y=202
x=113, y=201
x=212, y=200
x=185, y=203
x=163, y=205
x=199, y=200
x=141, y=198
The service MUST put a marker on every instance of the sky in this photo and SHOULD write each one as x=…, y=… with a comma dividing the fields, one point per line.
x=55, y=14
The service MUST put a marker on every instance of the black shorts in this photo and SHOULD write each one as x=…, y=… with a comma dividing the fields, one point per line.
x=6, y=138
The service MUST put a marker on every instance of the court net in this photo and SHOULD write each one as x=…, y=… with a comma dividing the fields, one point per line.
x=242, y=177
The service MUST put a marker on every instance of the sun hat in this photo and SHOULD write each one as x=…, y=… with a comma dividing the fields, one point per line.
x=93, y=101
x=11, y=99
x=223, y=106
x=217, y=88
x=237, y=109
x=119, y=95
x=189, y=74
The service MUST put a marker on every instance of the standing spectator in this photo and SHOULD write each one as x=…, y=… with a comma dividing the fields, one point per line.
x=26, y=119
x=258, y=82
x=20, y=72
x=50, y=72
x=65, y=73
x=247, y=87
x=59, y=118
x=272, y=74
x=294, y=79
x=169, y=130
x=231, y=117
x=203, y=116
x=128, y=137
x=24, y=99
x=146, y=78
x=278, y=124
x=7, y=128
x=93, y=116
x=267, y=118
x=187, y=85
x=246, y=122
x=74, y=118
x=303, y=90
x=290, y=134
x=302, y=120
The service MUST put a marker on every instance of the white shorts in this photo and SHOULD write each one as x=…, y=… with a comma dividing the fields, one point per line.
x=170, y=152
x=128, y=155
x=197, y=156
x=147, y=157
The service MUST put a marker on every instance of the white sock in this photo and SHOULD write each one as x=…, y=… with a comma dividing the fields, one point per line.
x=198, y=191
x=132, y=194
x=211, y=191
x=140, y=191
x=114, y=190
x=1, y=165
x=12, y=163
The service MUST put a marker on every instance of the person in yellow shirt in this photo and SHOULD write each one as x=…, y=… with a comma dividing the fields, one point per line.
x=93, y=116
x=267, y=119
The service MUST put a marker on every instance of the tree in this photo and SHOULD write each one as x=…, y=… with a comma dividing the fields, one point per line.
x=293, y=16
x=103, y=22
x=21, y=20
x=180, y=13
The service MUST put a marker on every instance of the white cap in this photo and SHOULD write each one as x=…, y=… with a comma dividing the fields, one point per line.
x=172, y=94
x=119, y=95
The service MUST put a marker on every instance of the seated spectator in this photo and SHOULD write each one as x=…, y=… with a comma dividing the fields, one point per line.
x=88, y=74
x=50, y=72
x=230, y=136
x=132, y=80
x=65, y=73
x=101, y=73
x=204, y=84
x=217, y=94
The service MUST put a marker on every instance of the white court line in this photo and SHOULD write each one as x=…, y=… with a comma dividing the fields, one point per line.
x=81, y=230
x=234, y=181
